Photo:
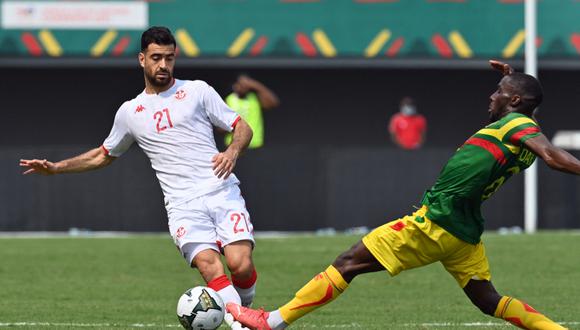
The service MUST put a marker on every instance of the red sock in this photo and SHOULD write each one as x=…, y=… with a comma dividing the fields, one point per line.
x=246, y=288
x=225, y=289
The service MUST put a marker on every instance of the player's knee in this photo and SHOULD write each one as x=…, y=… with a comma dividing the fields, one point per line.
x=345, y=264
x=239, y=259
x=487, y=303
x=242, y=268
x=209, y=265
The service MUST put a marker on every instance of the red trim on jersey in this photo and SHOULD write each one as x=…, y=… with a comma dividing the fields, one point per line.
x=105, y=149
x=517, y=136
x=493, y=149
x=246, y=284
x=236, y=121
x=219, y=283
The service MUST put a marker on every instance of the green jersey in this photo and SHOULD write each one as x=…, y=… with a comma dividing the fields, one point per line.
x=248, y=108
x=476, y=171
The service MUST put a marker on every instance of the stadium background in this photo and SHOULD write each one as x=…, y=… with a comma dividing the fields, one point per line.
x=340, y=69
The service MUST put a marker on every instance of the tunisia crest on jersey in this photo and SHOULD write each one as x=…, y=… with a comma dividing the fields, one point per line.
x=180, y=94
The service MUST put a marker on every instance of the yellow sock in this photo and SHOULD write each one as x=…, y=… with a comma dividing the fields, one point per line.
x=523, y=315
x=322, y=289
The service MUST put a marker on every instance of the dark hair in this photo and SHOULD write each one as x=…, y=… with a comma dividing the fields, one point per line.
x=528, y=87
x=157, y=35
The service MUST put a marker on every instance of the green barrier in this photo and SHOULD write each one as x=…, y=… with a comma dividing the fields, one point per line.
x=423, y=29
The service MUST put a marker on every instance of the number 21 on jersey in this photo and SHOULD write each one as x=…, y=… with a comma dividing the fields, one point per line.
x=163, y=120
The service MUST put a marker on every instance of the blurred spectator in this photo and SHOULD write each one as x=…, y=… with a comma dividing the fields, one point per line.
x=408, y=127
x=248, y=99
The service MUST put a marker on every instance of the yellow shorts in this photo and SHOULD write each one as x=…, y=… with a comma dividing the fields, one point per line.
x=415, y=241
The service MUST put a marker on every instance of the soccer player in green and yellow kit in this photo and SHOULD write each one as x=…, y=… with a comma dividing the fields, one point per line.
x=448, y=226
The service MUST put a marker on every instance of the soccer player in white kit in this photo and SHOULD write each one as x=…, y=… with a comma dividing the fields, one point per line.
x=172, y=121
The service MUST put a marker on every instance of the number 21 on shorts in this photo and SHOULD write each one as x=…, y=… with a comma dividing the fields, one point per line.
x=239, y=222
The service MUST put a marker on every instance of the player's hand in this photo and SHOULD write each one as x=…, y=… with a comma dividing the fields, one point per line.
x=224, y=163
x=502, y=67
x=39, y=166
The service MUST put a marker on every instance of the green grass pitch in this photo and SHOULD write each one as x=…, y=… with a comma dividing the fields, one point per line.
x=134, y=282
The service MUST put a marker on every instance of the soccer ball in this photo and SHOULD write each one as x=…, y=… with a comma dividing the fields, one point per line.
x=200, y=308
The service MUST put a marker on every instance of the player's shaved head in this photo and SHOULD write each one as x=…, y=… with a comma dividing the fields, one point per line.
x=528, y=88
x=159, y=35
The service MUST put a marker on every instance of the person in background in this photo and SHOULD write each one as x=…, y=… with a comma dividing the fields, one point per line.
x=408, y=127
x=248, y=99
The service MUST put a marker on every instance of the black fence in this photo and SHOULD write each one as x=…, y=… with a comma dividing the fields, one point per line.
x=328, y=160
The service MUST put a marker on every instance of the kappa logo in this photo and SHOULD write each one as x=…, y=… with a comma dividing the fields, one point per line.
x=180, y=232
x=139, y=108
x=180, y=94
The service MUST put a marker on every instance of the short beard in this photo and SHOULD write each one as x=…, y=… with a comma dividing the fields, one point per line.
x=157, y=83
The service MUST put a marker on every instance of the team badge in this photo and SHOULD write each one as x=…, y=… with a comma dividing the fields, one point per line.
x=180, y=232
x=180, y=94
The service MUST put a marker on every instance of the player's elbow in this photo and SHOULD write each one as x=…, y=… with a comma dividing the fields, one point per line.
x=554, y=160
x=275, y=103
x=107, y=160
x=271, y=103
x=101, y=159
x=553, y=164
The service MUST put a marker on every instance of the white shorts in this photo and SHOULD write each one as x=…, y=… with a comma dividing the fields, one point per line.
x=211, y=221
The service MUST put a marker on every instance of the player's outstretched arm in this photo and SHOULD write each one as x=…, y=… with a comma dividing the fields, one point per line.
x=224, y=162
x=90, y=160
x=557, y=158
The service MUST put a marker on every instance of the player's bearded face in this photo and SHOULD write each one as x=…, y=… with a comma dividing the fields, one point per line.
x=158, y=62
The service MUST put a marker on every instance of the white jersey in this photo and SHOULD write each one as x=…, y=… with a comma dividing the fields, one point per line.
x=174, y=128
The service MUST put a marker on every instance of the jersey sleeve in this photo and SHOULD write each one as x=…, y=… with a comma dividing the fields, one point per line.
x=217, y=110
x=120, y=138
x=520, y=130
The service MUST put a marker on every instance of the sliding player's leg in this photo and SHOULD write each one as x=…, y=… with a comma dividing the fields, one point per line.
x=470, y=268
x=409, y=242
x=325, y=287
x=483, y=295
